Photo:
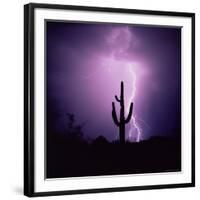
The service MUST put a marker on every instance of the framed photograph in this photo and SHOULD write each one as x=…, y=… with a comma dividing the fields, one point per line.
x=108, y=99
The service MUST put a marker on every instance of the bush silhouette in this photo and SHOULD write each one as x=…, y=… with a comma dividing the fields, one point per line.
x=100, y=140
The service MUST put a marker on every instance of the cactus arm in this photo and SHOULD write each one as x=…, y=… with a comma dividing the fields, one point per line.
x=129, y=114
x=117, y=99
x=114, y=115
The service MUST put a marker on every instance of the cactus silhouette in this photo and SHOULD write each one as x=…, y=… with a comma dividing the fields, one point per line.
x=122, y=121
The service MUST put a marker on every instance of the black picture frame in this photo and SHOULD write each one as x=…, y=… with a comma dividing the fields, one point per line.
x=29, y=106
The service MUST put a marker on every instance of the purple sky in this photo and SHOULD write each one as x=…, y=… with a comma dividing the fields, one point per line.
x=87, y=62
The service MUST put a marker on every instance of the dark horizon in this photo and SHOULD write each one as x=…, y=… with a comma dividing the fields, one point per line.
x=87, y=62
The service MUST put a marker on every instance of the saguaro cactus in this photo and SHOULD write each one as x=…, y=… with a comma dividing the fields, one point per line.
x=122, y=121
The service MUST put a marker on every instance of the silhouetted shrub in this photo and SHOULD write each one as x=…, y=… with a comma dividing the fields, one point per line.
x=100, y=140
x=74, y=133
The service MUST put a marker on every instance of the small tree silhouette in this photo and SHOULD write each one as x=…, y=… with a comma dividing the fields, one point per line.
x=74, y=132
x=122, y=121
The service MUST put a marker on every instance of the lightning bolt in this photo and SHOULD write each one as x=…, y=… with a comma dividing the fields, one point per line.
x=110, y=61
x=134, y=123
x=135, y=130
